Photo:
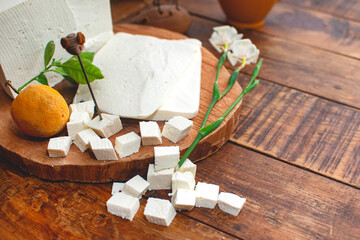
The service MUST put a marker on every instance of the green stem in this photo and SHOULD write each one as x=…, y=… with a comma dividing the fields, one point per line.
x=28, y=82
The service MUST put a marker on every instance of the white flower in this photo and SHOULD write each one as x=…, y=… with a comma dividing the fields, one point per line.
x=223, y=35
x=243, y=49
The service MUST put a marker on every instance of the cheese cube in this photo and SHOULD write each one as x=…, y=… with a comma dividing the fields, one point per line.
x=177, y=128
x=88, y=106
x=187, y=166
x=136, y=186
x=230, y=203
x=184, y=180
x=127, y=144
x=103, y=149
x=206, y=195
x=82, y=139
x=159, y=211
x=150, y=133
x=108, y=126
x=59, y=146
x=117, y=187
x=184, y=199
x=79, y=116
x=160, y=179
x=166, y=157
x=123, y=205
x=74, y=127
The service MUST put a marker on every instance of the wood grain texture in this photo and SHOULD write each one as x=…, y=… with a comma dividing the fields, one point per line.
x=314, y=71
x=303, y=130
x=35, y=209
x=283, y=201
x=31, y=154
x=122, y=9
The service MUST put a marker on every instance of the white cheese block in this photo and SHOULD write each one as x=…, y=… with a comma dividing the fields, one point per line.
x=166, y=157
x=151, y=70
x=206, y=195
x=103, y=149
x=28, y=26
x=59, y=146
x=184, y=180
x=184, y=199
x=74, y=128
x=159, y=211
x=187, y=166
x=108, y=126
x=87, y=106
x=177, y=128
x=160, y=179
x=117, y=187
x=230, y=203
x=127, y=144
x=123, y=205
x=136, y=186
x=82, y=139
x=150, y=133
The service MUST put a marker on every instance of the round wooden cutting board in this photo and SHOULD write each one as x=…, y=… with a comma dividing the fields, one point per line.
x=30, y=154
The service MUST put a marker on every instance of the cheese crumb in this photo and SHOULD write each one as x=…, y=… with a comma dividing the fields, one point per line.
x=206, y=195
x=166, y=157
x=184, y=180
x=177, y=128
x=123, y=205
x=150, y=133
x=117, y=187
x=107, y=127
x=82, y=139
x=103, y=149
x=136, y=186
x=159, y=211
x=230, y=203
x=127, y=144
x=160, y=179
x=59, y=146
x=187, y=166
x=184, y=199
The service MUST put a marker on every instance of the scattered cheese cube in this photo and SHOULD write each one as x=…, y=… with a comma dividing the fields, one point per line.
x=150, y=133
x=79, y=116
x=230, y=203
x=74, y=127
x=206, y=195
x=160, y=179
x=187, y=166
x=166, y=157
x=127, y=144
x=136, y=186
x=184, y=199
x=82, y=139
x=59, y=146
x=108, y=126
x=123, y=205
x=87, y=106
x=103, y=149
x=177, y=128
x=184, y=180
x=117, y=187
x=159, y=211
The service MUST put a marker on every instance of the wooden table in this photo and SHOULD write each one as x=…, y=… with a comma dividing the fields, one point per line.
x=294, y=156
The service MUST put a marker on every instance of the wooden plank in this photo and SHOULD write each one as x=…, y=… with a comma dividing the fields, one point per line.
x=302, y=129
x=122, y=9
x=348, y=9
x=35, y=209
x=314, y=71
x=283, y=201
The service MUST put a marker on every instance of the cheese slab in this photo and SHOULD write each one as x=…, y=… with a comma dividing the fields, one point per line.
x=141, y=74
x=29, y=25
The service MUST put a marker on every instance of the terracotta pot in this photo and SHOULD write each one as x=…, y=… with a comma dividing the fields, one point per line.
x=247, y=13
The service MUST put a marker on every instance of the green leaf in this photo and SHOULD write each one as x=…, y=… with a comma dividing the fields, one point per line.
x=49, y=52
x=42, y=79
x=62, y=72
x=86, y=56
x=73, y=69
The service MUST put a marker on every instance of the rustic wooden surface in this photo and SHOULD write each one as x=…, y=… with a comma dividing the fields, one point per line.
x=294, y=155
x=30, y=154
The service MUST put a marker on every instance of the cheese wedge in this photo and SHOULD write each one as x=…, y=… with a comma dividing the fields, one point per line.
x=141, y=74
